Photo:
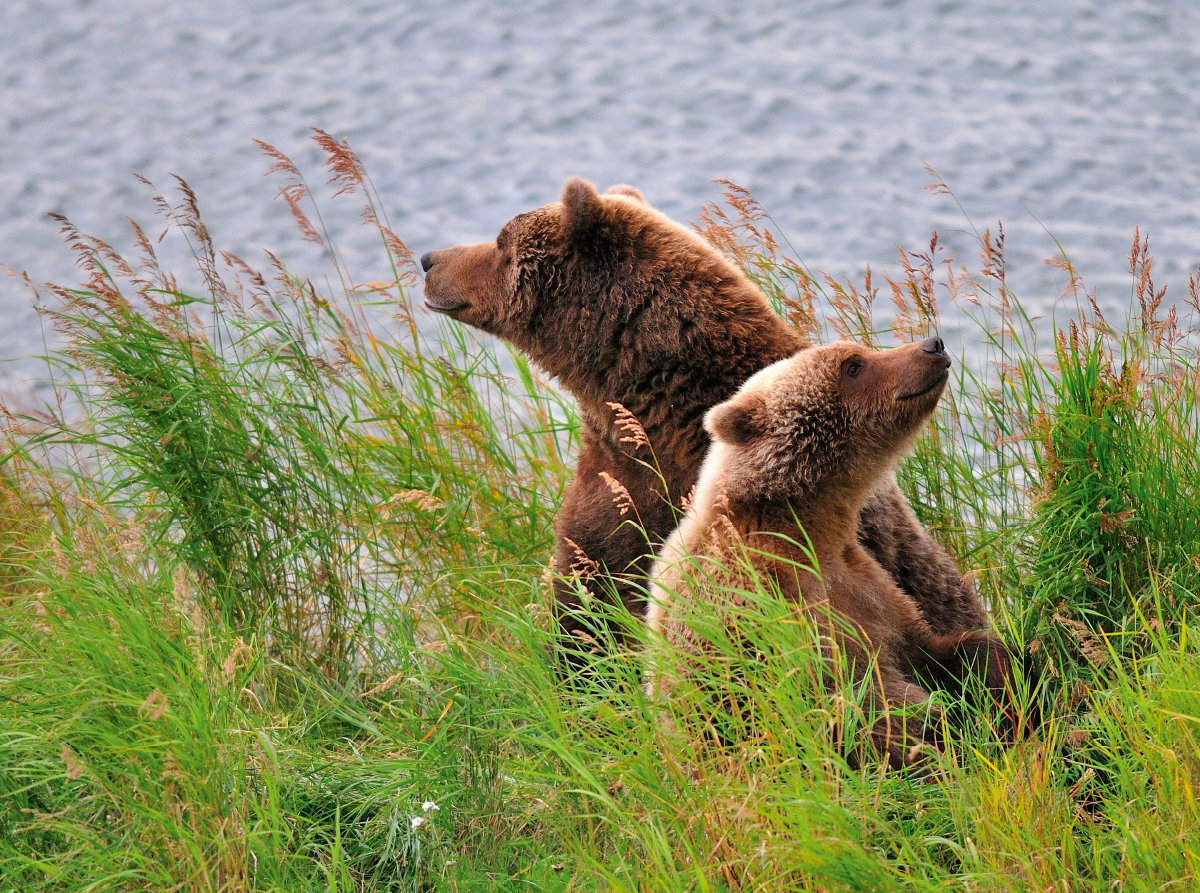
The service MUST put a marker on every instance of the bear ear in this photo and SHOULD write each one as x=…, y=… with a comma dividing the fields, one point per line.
x=627, y=191
x=736, y=421
x=582, y=208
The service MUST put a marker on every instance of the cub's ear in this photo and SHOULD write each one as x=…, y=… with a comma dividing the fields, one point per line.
x=627, y=191
x=736, y=421
x=582, y=208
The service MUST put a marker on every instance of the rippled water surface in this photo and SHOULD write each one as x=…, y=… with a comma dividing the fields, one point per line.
x=1074, y=117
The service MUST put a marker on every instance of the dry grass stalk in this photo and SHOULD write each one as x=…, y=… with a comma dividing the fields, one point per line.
x=747, y=241
x=74, y=768
x=294, y=192
x=688, y=499
x=402, y=255
x=1090, y=646
x=854, y=317
x=419, y=499
x=621, y=497
x=345, y=168
x=627, y=423
x=383, y=686
x=155, y=706
x=581, y=564
x=914, y=297
x=233, y=661
x=1193, y=298
x=187, y=216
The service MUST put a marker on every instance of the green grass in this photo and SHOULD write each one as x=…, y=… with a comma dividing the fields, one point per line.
x=274, y=580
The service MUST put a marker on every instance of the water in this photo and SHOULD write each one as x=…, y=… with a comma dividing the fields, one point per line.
x=1068, y=117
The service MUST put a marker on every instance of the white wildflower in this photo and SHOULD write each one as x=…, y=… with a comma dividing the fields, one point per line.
x=429, y=806
x=417, y=821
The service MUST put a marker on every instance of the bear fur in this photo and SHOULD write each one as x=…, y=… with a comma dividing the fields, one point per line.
x=627, y=308
x=796, y=454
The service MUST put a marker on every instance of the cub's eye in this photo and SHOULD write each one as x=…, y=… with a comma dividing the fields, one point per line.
x=852, y=368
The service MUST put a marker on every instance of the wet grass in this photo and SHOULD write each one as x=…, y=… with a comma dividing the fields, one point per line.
x=274, y=609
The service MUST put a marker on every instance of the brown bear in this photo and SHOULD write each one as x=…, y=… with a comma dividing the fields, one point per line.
x=796, y=454
x=630, y=311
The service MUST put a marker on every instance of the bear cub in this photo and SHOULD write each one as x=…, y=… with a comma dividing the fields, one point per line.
x=804, y=444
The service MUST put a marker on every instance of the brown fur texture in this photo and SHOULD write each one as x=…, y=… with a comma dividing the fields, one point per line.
x=625, y=306
x=796, y=454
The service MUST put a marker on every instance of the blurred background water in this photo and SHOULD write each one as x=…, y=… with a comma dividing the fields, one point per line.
x=1066, y=117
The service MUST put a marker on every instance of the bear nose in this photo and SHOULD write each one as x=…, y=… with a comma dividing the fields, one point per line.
x=427, y=261
x=936, y=348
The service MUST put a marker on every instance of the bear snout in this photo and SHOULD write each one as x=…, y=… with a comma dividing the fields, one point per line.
x=935, y=347
x=438, y=289
x=929, y=345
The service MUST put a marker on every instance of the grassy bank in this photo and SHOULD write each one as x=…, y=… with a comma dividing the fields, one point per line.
x=274, y=607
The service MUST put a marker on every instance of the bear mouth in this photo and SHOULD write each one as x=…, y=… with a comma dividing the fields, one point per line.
x=936, y=383
x=449, y=307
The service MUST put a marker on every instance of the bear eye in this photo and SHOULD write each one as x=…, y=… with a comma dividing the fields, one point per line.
x=852, y=368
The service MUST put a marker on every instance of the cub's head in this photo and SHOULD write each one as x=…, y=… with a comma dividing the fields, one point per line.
x=832, y=418
x=561, y=279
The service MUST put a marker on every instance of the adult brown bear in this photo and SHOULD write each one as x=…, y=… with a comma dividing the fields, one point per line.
x=796, y=453
x=624, y=306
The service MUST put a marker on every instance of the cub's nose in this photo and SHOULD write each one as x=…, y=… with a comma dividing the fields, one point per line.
x=427, y=261
x=936, y=348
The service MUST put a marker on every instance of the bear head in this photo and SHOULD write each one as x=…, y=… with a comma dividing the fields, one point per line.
x=829, y=421
x=571, y=282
